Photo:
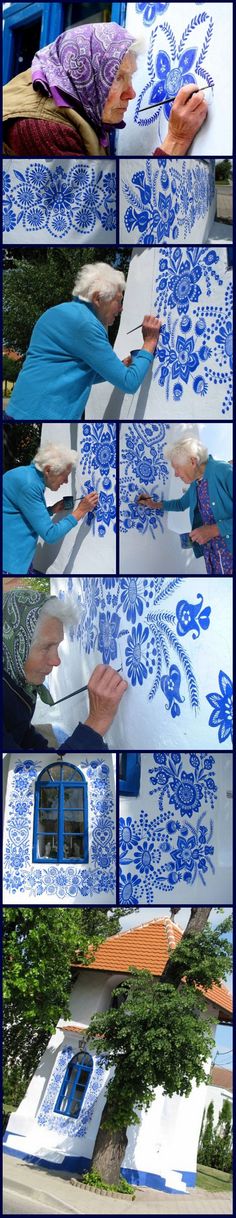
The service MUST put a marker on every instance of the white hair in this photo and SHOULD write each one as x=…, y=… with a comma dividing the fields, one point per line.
x=56, y=456
x=63, y=610
x=188, y=446
x=139, y=47
x=98, y=277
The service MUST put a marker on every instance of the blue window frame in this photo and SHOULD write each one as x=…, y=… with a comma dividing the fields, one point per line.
x=129, y=773
x=74, y=1086
x=61, y=815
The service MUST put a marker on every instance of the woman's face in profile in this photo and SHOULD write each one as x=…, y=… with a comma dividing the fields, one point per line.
x=43, y=655
x=121, y=91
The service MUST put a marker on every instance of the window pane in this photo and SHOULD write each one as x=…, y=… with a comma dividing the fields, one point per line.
x=47, y=822
x=74, y=822
x=48, y=797
x=47, y=846
x=73, y=797
x=55, y=772
x=71, y=774
x=73, y=847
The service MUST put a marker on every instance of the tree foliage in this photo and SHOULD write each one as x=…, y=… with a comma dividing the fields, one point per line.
x=45, y=277
x=161, y=1032
x=215, y=1146
x=39, y=947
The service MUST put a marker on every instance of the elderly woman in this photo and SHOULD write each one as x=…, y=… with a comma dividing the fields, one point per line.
x=209, y=499
x=32, y=632
x=70, y=351
x=77, y=91
x=25, y=515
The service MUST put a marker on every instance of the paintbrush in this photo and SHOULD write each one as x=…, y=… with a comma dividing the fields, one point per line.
x=76, y=691
x=156, y=105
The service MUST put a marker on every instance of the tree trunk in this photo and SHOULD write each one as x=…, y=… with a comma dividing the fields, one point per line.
x=109, y=1151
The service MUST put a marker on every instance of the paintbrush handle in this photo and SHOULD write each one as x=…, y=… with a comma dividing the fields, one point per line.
x=156, y=105
x=76, y=691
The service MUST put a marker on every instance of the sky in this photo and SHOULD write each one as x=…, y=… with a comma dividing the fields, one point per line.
x=223, y=1039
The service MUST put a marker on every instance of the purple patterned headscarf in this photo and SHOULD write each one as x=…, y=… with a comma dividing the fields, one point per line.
x=82, y=63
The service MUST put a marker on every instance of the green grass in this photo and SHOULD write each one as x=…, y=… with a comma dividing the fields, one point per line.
x=213, y=1180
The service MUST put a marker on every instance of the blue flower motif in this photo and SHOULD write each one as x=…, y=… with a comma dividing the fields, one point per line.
x=186, y=794
x=57, y=200
x=182, y=283
x=128, y=888
x=136, y=664
x=172, y=76
x=225, y=340
x=187, y=359
x=170, y=685
x=150, y=11
x=107, y=637
x=192, y=854
x=146, y=857
x=128, y=836
x=164, y=218
x=130, y=599
x=222, y=714
x=192, y=616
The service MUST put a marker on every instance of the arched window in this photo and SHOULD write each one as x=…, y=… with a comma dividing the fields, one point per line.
x=74, y=1086
x=61, y=816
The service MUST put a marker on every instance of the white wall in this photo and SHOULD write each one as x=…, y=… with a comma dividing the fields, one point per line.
x=42, y=882
x=163, y=26
x=150, y=544
x=184, y=806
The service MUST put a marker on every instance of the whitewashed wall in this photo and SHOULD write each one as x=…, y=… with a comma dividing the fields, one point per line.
x=173, y=640
x=176, y=834
x=150, y=543
x=74, y=883
x=191, y=375
x=91, y=546
x=185, y=42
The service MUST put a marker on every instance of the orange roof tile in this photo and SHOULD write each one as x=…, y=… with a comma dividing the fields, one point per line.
x=221, y=1077
x=148, y=947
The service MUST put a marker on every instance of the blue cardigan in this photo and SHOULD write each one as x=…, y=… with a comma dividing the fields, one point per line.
x=26, y=517
x=69, y=352
x=219, y=476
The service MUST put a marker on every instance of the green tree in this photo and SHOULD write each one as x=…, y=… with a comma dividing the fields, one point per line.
x=39, y=948
x=207, y=1137
x=137, y=1037
x=224, y=171
x=10, y=370
x=20, y=443
x=44, y=278
x=222, y=1142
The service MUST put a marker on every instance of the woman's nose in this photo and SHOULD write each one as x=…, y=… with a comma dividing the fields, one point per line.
x=56, y=660
x=128, y=93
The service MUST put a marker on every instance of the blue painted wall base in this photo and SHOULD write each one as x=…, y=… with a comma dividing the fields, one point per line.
x=148, y=1179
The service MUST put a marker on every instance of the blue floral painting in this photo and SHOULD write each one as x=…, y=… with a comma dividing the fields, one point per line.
x=171, y=65
x=58, y=200
x=164, y=202
x=98, y=473
x=196, y=342
x=135, y=610
x=62, y=882
x=222, y=714
x=142, y=466
x=176, y=843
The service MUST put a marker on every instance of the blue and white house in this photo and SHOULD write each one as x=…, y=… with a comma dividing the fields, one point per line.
x=59, y=829
x=56, y=1124
x=175, y=828
x=190, y=288
x=93, y=546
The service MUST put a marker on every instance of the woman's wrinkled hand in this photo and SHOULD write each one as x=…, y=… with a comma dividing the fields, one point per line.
x=87, y=504
x=205, y=533
x=188, y=113
x=127, y=361
x=105, y=689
